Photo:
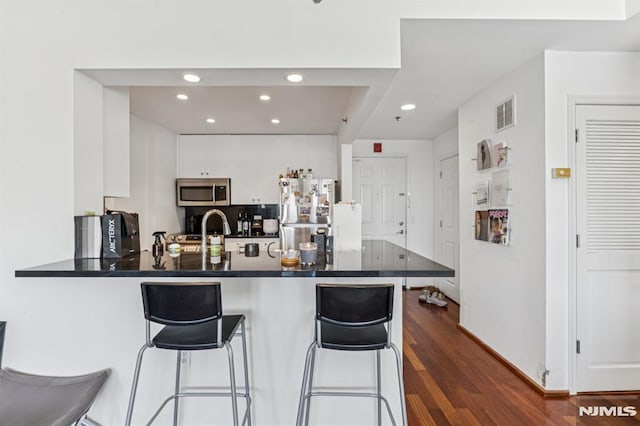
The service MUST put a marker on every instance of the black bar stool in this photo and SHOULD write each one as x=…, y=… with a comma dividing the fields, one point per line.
x=352, y=318
x=192, y=317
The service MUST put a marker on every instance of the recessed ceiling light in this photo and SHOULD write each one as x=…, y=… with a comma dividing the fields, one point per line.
x=265, y=97
x=211, y=120
x=294, y=78
x=182, y=96
x=275, y=121
x=191, y=78
x=407, y=107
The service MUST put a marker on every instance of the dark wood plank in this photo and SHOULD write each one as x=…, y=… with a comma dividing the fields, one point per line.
x=452, y=380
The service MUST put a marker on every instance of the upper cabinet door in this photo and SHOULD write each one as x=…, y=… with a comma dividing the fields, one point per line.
x=290, y=151
x=225, y=155
x=191, y=157
x=269, y=154
x=241, y=161
x=322, y=155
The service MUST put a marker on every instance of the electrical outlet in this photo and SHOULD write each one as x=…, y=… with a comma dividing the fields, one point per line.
x=185, y=360
x=542, y=373
x=540, y=370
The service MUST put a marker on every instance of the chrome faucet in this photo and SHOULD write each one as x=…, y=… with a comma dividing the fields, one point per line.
x=226, y=230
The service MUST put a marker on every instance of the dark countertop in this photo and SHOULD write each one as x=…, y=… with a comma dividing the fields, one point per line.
x=377, y=259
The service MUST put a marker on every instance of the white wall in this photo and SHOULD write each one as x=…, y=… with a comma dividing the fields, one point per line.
x=88, y=108
x=632, y=7
x=346, y=172
x=502, y=288
x=419, y=157
x=445, y=145
x=567, y=74
x=153, y=179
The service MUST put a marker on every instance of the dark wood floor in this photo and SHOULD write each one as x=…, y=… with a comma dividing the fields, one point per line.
x=449, y=379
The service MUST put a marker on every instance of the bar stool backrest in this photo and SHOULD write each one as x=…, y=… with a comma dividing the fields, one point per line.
x=181, y=303
x=354, y=305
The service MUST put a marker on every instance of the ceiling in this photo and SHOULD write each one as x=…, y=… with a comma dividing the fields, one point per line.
x=444, y=63
x=301, y=110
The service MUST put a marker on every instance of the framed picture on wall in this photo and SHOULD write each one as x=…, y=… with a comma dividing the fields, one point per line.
x=500, y=155
x=483, y=158
x=500, y=189
x=499, y=226
x=482, y=193
x=481, y=228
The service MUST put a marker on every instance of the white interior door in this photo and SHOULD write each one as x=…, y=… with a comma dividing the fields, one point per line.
x=379, y=184
x=448, y=235
x=608, y=256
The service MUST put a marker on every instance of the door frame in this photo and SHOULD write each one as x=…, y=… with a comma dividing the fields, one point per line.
x=407, y=197
x=573, y=101
x=438, y=209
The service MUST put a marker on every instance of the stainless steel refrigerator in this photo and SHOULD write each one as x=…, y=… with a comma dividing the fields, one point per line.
x=306, y=205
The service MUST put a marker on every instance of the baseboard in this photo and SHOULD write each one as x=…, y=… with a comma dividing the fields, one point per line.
x=615, y=393
x=515, y=370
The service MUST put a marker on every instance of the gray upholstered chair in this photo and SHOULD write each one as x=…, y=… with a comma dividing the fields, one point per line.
x=2, y=327
x=28, y=399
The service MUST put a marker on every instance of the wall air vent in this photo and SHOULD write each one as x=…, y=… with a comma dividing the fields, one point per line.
x=506, y=114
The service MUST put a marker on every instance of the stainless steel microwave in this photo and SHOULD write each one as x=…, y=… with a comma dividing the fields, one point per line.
x=203, y=192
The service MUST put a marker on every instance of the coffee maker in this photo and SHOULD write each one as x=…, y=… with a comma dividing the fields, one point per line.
x=256, y=225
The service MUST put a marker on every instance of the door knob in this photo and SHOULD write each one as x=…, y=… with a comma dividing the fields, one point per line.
x=400, y=232
x=401, y=223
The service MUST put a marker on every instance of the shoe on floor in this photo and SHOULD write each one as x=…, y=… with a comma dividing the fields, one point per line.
x=430, y=289
x=437, y=300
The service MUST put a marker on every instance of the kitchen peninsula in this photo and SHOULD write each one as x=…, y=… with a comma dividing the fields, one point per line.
x=279, y=303
x=377, y=259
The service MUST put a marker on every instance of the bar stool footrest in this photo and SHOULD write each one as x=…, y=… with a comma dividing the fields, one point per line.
x=203, y=395
x=355, y=394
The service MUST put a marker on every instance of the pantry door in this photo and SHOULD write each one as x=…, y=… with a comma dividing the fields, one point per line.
x=608, y=247
x=448, y=233
x=379, y=184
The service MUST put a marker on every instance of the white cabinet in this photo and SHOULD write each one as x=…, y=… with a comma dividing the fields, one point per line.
x=247, y=178
x=235, y=156
x=273, y=153
x=316, y=152
x=210, y=156
x=322, y=155
x=253, y=162
x=194, y=154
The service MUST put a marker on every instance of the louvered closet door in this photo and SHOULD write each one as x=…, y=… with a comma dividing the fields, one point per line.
x=608, y=259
